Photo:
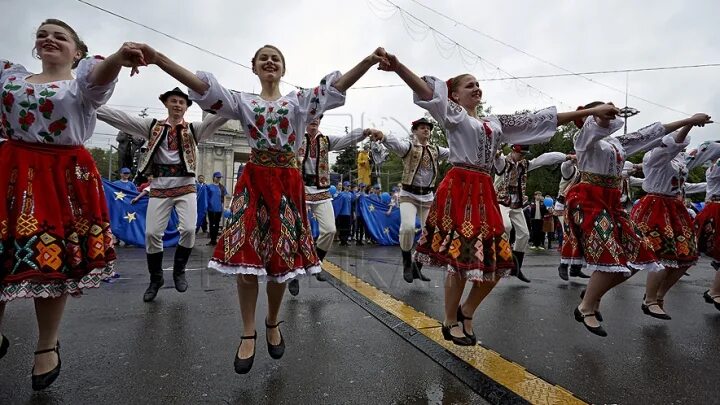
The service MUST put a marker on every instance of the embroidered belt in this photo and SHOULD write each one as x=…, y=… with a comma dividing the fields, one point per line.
x=600, y=180
x=417, y=190
x=174, y=170
x=172, y=192
x=322, y=196
x=270, y=158
x=479, y=169
x=670, y=196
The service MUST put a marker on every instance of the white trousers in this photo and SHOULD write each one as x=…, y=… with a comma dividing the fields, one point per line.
x=325, y=217
x=408, y=212
x=514, y=217
x=158, y=214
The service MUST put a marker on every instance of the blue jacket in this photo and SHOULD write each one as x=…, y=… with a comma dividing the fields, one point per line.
x=216, y=197
x=125, y=185
x=345, y=207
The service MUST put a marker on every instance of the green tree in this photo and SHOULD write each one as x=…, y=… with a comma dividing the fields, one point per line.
x=546, y=179
x=346, y=163
x=104, y=159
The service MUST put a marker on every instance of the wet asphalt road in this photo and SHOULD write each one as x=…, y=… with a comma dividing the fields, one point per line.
x=643, y=361
x=179, y=349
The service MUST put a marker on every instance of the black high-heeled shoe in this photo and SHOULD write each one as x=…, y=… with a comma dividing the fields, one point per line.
x=462, y=318
x=42, y=381
x=4, y=346
x=243, y=366
x=580, y=317
x=275, y=351
x=598, y=315
x=460, y=341
x=708, y=298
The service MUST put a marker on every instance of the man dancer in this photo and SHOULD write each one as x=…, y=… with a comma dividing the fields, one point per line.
x=216, y=206
x=510, y=183
x=315, y=167
x=171, y=158
x=420, y=170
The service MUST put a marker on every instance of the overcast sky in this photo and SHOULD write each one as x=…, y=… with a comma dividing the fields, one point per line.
x=320, y=36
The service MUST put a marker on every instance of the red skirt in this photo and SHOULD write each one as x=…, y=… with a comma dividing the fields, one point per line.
x=464, y=229
x=55, y=236
x=600, y=234
x=268, y=234
x=668, y=227
x=706, y=226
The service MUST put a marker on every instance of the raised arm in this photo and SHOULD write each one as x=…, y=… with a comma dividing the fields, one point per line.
x=391, y=64
x=107, y=71
x=135, y=126
x=208, y=126
x=547, y=159
x=353, y=75
x=395, y=145
x=169, y=66
x=341, y=142
x=602, y=110
x=699, y=119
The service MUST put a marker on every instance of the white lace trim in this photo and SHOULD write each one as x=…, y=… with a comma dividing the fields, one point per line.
x=261, y=273
x=470, y=275
x=55, y=289
x=652, y=266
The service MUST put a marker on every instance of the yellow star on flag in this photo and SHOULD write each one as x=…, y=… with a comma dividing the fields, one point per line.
x=387, y=230
x=130, y=216
x=119, y=195
x=371, y=208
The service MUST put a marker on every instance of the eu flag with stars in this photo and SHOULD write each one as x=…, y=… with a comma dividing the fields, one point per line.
x=127, y=221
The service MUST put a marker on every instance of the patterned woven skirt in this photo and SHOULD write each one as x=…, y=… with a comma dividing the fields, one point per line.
x=464, y=229
x=268, y=234
x=55, y=236
x=668, y=227
x=708, y=234
x=600, y=234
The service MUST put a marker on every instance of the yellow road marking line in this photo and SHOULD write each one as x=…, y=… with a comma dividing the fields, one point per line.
x=511, y=375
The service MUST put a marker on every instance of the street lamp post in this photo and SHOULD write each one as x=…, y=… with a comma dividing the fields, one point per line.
x=627, y=112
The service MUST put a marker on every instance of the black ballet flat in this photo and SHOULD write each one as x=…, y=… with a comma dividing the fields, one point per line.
x=580, y=317
x=4, y=346
x=708, y=298
x=646, y=310
x=243, y=366
x=460, y=341
x=461, y=318
x=275, y=351
x=42, y=381
x=598, y=315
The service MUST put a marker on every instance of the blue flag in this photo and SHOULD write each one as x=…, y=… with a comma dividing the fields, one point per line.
x=383, y=227
x=127, y=221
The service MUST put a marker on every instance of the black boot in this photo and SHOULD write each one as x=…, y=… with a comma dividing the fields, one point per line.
x=182, y=255
x=417, y=271
x=321, y=255
x=517, y=271
x=576, y=271
x=294, y=287
x=563, y=271
x=407, y=267
x=155, y=269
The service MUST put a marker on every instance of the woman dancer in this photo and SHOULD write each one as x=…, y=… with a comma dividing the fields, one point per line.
x=55, y=237
x=268, y=236
x=662, y=218
x=464, y=229
x=599, y=232
x=706, y=225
